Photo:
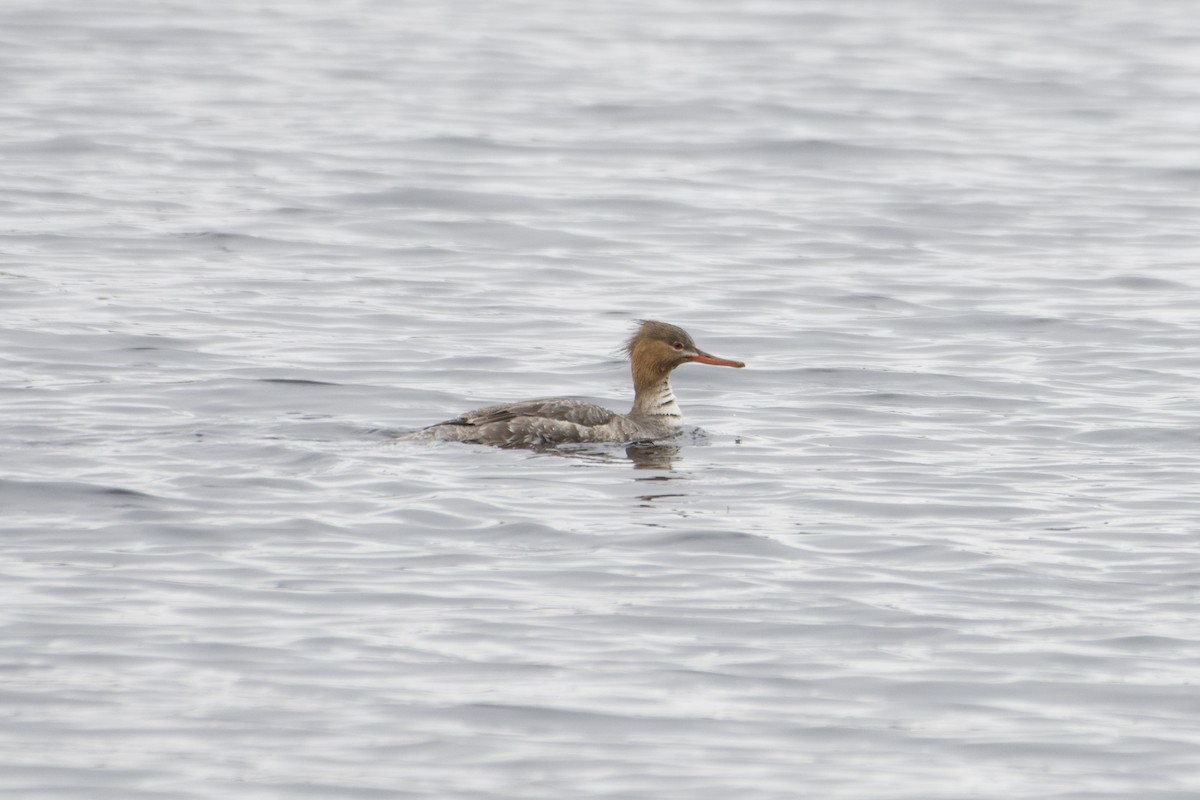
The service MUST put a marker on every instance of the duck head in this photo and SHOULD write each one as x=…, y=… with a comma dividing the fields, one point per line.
x=657, y=348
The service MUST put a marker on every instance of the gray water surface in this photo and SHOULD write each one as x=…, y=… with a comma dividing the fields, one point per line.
x=938, y=540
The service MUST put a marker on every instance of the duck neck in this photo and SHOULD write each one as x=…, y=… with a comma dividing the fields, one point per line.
x=658, y=401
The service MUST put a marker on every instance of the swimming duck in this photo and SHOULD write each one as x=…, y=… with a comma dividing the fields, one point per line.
x=654, y=350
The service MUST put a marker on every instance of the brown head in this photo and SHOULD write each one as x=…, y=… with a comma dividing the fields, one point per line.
x=656, y=348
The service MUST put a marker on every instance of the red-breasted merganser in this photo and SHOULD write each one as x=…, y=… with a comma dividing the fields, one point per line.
x=654, y=350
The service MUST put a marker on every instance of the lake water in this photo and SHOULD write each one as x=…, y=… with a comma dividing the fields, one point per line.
x=938, y=540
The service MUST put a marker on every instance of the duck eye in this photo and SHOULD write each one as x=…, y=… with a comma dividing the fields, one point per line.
x=678, y=345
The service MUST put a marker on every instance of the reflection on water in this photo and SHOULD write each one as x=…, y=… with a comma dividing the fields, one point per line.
x=649, y=455
x=644, y=455
x=649, y=498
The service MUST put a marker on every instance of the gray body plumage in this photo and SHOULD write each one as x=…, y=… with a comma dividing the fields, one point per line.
x=556, y=420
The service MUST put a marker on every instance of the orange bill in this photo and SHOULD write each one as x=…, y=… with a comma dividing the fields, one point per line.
x=704, y=358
